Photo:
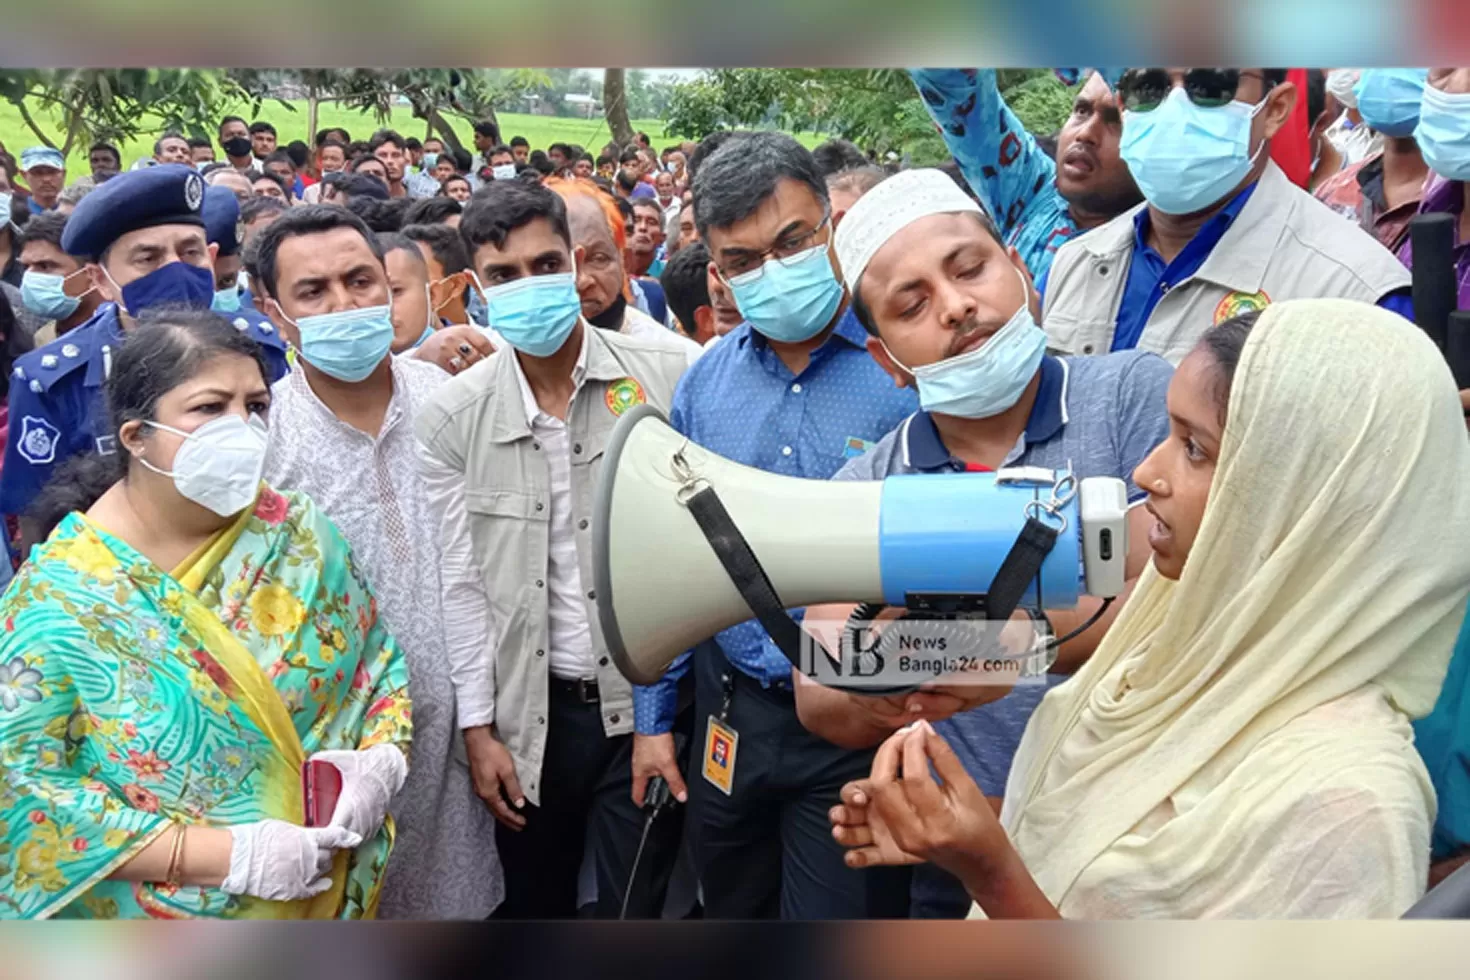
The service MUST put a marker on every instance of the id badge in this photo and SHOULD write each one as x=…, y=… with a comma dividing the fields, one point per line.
x=720, y=743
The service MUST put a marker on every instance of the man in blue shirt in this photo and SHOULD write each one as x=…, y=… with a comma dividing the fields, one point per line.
x=44, y=169
x=950, y=310
x=1223, y=231
x=142, y=235
x=794, y=392
x=1038, y=202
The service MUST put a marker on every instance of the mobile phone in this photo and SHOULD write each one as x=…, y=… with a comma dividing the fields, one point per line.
x=321, y=784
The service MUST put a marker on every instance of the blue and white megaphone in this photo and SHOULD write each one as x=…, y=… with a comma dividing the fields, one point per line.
x=666, y=569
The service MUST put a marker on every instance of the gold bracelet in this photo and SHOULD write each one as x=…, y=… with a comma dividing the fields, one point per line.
x=173, y=861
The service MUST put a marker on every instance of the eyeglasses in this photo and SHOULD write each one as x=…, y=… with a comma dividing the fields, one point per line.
x=751, y=266
x=1145, y=89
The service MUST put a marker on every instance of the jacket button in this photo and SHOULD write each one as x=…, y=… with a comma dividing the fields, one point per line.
x=602, y=662
x=540, y=653
x=1102, y=270
x=536, y=446
x=613, y=718
x=1087, y=348
x=540, y=505
x=540, y=584
x=582, y=524
x=540, y=719
x=592, y=593
x=577, y=448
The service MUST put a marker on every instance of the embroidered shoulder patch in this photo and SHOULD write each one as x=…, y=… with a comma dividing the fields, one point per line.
x=38, y=438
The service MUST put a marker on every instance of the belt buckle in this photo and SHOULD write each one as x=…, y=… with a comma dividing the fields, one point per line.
x=586, y=690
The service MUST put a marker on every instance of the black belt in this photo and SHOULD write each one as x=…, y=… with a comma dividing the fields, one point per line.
x=582, y=689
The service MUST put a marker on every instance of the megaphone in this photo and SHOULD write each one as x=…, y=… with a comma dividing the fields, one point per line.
x=664, y=581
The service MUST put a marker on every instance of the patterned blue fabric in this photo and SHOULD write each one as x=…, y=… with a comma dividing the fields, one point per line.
x=1013, y=176
x=741, y=401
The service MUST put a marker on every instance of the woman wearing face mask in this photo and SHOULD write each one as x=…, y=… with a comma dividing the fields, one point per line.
x=1239, y=745
x=172, y=656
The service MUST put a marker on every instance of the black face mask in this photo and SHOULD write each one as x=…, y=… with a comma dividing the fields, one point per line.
x=238, y=146
x=612, y=317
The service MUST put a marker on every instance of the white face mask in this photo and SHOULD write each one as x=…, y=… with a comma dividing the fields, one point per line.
x=506, y=171
x=219, y=464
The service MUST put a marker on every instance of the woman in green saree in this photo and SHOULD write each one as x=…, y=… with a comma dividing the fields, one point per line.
x=169, y=659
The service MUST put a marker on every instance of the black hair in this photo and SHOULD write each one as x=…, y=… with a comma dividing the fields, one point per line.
x=489, y=129
x=45, y=227
x=1274, y=77
x=604, y=183
x=1316, y=94
x=262, y=127
x=626, y=180
x=646, y=202
x=200, y=143
x=629, y=155
x=379, y=215
x=561, y=148
x=298, y=153
x=575, y=151
x=383, y=137
x=685, y=281
x=358, y=148
x=432, y=139
x=256, y=207
x=584, y=155
x=431, y=210
x=1047, y=144
x=837, y=155
x=446, y=244
x=502, y=206
x=310, y=219
x=13, y=341
x=643, y=138
x=169, y=346
x=742, y=175
x=498, y=149
x=324, y=144
x=1224, y=343
x=326, y=134
x=444, y=187
x=537, y=157
x=361, y=186
x=520, y=141
x=267, y=175
x=362, y=158
x=279, y=156
x=463, y=162
x=393, y=241
x=227, y=120
x=858, y=179
x=707, y=148
x=605, y=159
x=544, y=166
x=412, y=143
x=116, y=156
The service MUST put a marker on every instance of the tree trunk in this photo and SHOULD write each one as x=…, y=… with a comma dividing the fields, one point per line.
x=615, y=105
x=313, y=103
x=437, y=123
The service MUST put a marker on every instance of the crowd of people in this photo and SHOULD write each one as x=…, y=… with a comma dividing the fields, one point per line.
x=303, y=444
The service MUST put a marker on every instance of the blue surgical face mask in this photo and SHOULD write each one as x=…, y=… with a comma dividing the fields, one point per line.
x=535, y=314
x=226, y=300
x=427, y=163
x=1185, y=158
x=45, y=295
x=177, y=282
x=1388, y=99
x=5, y=200
x=791, y=300
x=989, y=379
x=1444, y=133
x=347, y=344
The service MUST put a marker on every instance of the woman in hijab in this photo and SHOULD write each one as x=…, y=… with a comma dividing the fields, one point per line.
x=1239, y=745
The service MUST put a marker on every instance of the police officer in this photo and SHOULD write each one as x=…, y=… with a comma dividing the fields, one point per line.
x=225, y=230
x=142, y=235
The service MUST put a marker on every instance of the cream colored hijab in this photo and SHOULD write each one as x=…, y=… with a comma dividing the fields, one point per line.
x=1238, y=744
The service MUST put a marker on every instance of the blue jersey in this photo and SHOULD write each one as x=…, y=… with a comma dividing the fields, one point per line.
x=57, y=409
x=1013, y=176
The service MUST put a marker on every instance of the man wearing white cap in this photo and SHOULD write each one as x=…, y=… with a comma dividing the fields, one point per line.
x=951, y=310
x=45, y=173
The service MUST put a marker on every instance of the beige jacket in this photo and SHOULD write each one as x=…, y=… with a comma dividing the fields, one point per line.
x=1284, y=244
x=476, y=424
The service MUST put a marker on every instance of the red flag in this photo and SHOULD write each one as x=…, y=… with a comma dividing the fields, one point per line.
x=1292, y=147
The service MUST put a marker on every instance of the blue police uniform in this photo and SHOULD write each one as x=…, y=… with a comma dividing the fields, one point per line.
x=57, y=408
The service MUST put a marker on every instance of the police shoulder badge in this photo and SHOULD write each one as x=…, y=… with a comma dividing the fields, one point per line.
x=193, y=191
x=1237, y=303
x=623, y=394
x=38, y=438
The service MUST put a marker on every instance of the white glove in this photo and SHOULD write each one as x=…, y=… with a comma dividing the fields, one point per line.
x=369, y=780
x=282, y=862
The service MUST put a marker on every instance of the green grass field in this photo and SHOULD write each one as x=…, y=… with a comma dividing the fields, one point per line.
x=541, y=131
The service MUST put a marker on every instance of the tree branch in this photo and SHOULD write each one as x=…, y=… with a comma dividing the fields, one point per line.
x=25, y=115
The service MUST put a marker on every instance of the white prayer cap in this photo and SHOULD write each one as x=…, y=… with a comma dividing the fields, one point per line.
x=1341, y=83
x=889, y=208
